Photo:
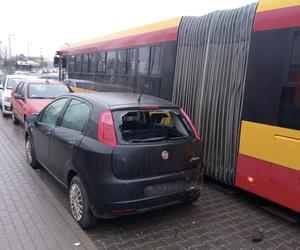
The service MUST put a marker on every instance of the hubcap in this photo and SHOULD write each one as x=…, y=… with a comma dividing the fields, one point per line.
x=28, y=151
x=76, y=202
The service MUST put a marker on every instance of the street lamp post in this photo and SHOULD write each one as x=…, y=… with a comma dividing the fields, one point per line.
x=65, y=56
x=41, y=57
x=41, y=52
x=28, y=45
x=9, y=45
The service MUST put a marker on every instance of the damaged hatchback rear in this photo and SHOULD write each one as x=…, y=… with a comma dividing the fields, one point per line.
x=117, y=154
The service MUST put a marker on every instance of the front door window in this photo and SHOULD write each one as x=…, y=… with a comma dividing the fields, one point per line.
x=53, y=111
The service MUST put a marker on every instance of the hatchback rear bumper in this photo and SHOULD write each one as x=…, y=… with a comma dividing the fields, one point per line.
x=129, y=196
x=149, y=204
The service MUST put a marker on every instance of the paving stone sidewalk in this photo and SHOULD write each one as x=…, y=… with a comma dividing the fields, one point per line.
x=30, y=215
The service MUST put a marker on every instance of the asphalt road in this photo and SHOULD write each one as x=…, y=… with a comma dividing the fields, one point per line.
x=222, y=218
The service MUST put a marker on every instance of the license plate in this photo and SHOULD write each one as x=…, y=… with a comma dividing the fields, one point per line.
x=164, y=188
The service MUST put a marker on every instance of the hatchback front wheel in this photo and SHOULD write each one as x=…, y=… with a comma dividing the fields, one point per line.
x=15, y=120
x=30, y=156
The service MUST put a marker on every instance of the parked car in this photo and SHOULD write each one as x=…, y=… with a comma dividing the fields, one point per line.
x=78, y=85
x=53, y=76
x=117, y=153
x=27, y=73
x=8, y=84
x=31, y=96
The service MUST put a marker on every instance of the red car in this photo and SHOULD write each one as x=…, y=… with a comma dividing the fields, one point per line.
x=32, y=95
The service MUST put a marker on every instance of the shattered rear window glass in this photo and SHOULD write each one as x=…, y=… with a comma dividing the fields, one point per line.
x=142, y=126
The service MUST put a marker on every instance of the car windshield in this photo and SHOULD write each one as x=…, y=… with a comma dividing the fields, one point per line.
x=142, y=126
x=46, y=91
x=12, y=83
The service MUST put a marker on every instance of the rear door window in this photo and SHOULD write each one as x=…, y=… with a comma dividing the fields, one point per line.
x=76, y=115
x=142, y=126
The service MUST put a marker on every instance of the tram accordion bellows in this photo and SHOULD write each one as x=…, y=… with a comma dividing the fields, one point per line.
x=209, y=80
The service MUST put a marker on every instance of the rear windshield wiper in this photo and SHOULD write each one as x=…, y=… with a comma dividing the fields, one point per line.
x=148, y=139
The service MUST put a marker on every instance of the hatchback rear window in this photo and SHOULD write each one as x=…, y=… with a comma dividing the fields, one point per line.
x=142, y=126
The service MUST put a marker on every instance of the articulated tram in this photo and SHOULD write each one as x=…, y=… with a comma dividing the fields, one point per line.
x=236, y=73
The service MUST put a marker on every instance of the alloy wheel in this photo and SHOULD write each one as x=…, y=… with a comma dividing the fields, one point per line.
x=76, y=202
x=29, y=151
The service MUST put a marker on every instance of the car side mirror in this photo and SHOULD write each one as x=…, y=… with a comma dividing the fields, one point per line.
x=34, y=118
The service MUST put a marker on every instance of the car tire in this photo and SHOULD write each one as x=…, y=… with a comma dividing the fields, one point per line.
x=30, y=155
x=192, y=199
x=14, y=119
x=80, y=205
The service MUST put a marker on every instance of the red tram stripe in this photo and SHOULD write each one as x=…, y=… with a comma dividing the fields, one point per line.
x=158, y=36
x=277, y=19
x=271, y=181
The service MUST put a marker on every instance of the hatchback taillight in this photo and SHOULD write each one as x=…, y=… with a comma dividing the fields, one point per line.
x=106, y=129
x=190, y=123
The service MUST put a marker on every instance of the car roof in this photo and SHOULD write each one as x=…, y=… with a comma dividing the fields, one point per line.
x=45, y=81
x=116, y=100
x=80, y=80
x=21, y=77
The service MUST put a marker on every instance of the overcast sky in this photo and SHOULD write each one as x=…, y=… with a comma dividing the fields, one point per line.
x=47, y=24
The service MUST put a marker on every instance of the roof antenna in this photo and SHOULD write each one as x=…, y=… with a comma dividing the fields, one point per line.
x=139, y=99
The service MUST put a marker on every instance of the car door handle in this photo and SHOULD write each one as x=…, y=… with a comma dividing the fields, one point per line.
x=48, y=133
x=71, y=143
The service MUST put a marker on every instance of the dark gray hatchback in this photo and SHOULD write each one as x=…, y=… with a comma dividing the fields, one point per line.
x=117, y=153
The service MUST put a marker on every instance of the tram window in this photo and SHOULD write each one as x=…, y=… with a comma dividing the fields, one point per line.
x=101, y=62
x=85, y=62
x=71, y=63
x=92, y=63
x=122, y=61
x=130, y=61
x=294, y=74
x=143, y=62
x=110, y=62
x=77, y=63
x=290, y=107
x=155, y=60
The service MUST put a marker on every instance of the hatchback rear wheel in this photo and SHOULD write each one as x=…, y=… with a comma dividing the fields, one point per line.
x=80, y=205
